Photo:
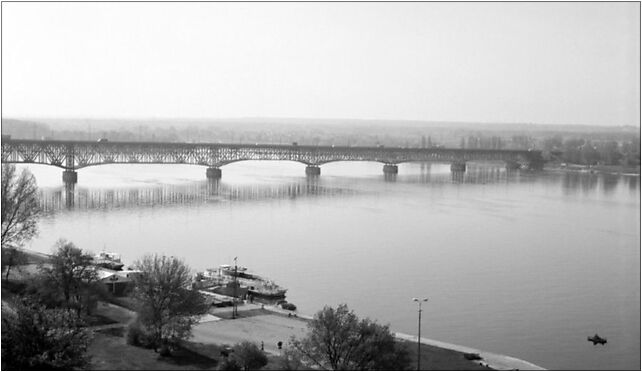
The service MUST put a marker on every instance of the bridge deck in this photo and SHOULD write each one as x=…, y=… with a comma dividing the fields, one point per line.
x=73, y=155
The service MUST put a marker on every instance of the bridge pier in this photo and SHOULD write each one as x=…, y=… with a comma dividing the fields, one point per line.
x=459, y=166
x=312, y=170
x=69, y=177
x=213, y=173
x=390, y=169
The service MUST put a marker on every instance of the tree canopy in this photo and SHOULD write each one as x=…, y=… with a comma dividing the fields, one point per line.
x=339, y=340
x=71, y=275
x=168, y=307
x=248, y=356
x=20, y=209
x=12, y=257
x=36, y=338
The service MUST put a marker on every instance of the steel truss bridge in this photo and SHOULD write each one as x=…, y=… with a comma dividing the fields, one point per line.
x=74, y=155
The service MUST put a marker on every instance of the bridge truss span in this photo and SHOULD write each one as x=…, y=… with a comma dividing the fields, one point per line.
x=73, y=155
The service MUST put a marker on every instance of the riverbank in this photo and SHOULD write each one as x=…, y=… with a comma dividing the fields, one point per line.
x=602, y=169
x=269, y=325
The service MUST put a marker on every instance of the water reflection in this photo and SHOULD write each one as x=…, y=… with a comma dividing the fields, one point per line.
x=472, y=175
x=78, y=197
x=634, y=184
x=574, y=182
x=457, y=177
x=70, y=197
x=609, y=183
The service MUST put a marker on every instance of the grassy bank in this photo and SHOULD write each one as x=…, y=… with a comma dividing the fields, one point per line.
x=438, y=359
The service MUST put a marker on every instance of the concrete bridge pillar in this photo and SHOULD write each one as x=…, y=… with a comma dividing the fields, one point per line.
x=312, y=170
x=390, y=169
x=69, y=177
x=459, y=166
x=213, y=173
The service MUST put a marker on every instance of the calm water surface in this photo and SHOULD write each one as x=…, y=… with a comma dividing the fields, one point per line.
x=522, y=264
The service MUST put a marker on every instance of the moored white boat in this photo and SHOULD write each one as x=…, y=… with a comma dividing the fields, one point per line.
x=227, y=276
x=108, y=260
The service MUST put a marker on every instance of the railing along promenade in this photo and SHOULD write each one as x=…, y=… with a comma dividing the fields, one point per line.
x=74, y=155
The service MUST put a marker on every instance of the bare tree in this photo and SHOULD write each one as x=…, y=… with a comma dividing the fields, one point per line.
x=71, y=273
x=20, y=208
x=20, y=211
x=169, y=307
x=338, y=340
x=12, y=257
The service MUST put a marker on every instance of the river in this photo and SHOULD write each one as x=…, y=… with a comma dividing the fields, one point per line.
x=523, y=264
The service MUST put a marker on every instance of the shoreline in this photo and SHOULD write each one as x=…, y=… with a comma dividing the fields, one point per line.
x=497, y=362
x=491, y=360
x=615, y=170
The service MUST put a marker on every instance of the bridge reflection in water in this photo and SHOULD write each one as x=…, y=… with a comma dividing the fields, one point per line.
x=166, y=195
x=212, y=191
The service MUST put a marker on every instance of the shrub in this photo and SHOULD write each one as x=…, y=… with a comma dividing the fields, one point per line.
x=136, y=336
x=288, y=306
x=472, y=356
x=133, y=335
x=165, y=350
x=37, y=338
x=248, y=356
x=229, y=364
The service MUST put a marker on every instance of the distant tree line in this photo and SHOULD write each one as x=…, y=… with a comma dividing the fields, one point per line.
x=593, y=152
x=314, y=132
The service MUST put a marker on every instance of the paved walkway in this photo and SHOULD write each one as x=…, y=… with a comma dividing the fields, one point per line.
x=267, y=328
x=273, y=325
x=270, y=325
x=494, y=361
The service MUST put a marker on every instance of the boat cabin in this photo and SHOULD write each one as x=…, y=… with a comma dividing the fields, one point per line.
x=118, y=282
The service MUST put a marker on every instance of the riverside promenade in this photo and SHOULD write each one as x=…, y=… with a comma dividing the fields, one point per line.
x=271, y=325
x=494, y=361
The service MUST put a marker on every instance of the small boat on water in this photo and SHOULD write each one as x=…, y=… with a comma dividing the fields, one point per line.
x=108, y=260
x=597, y=340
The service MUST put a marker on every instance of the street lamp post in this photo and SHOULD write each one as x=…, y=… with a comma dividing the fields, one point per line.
x=419, y=333
x=234, y=305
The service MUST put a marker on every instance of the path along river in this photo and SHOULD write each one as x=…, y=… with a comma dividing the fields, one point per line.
x=523, y=264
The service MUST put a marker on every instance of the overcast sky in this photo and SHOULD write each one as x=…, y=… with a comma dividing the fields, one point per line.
x=568, y=63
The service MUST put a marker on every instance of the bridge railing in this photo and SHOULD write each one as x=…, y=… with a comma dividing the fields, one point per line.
x=79, y=154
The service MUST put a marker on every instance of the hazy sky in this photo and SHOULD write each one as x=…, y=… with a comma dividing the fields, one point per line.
x=571, y=63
